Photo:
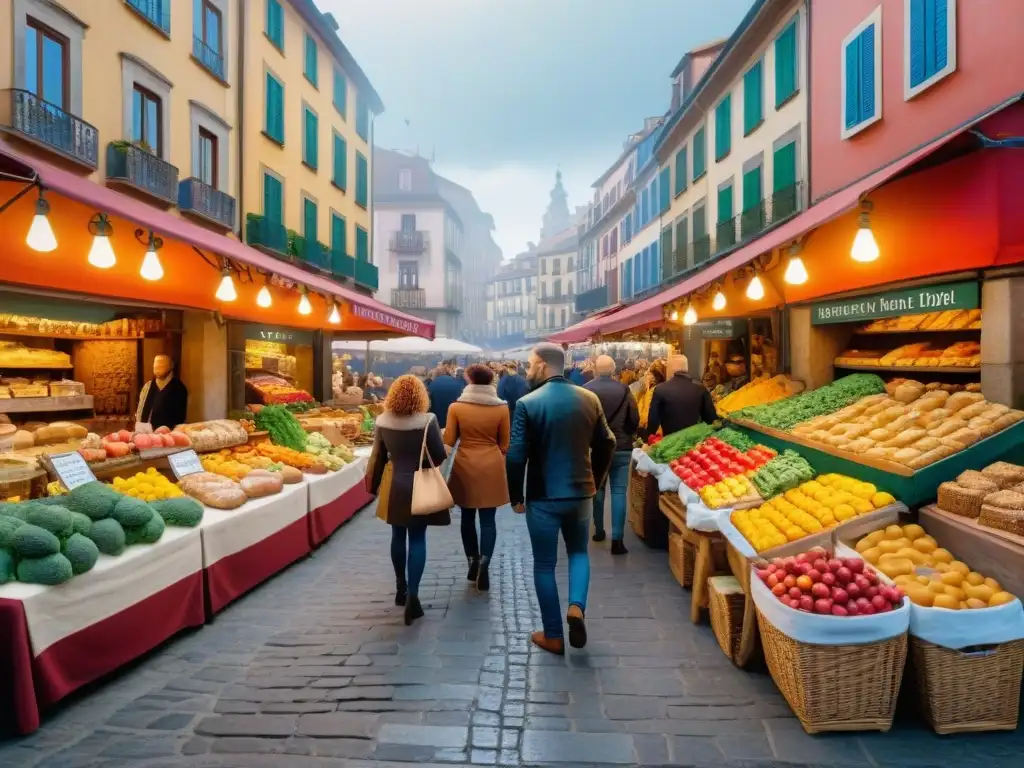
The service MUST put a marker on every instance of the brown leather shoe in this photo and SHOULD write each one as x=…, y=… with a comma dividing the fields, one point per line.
x=549, y=644
x=577, y=627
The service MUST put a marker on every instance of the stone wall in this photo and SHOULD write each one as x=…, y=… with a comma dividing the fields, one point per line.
x=109, y=370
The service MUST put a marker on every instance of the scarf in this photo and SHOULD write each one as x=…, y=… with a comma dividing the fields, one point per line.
x=481, y=394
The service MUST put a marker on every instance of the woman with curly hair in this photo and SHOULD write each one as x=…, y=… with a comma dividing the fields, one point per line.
x=655, y=376
x=397, y=443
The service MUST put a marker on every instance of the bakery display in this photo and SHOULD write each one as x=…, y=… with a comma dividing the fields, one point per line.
x=949, y=320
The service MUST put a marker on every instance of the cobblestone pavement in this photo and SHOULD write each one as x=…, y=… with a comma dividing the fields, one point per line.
x=315, y=669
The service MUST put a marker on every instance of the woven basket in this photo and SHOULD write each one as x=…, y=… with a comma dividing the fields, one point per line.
x=636, y=496
x=836, y=687
x=965, y=502
x=726, y=602
x=680, y=559
x=964, y=692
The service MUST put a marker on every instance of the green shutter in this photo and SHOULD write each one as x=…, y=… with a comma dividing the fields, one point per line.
x=309, y=220
x=785, y=65
x=699, y=154
x=668, y=269
x=725, y=204
x=362, y=118
x=680, y=171
x=784, y=167
x=272, y=202
x=309, y=151
x=700, y=222
x=311, y=61
x=664, y=189
x=751, y=188
x=362, y=244
x=753, y=99
x=274, y=126
x=362, y=180
x=275, y=23
x=340, y=177
x=339, y=237
x=723, y=128
x=341, y=94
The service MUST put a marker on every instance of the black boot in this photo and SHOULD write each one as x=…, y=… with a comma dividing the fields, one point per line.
x=474, y=567
x=618, y=548
x=598, y=536
x=483, y=578
x=413, y=610
x=401, y=592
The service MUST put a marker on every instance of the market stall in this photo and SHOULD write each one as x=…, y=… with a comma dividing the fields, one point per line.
x=334, y=499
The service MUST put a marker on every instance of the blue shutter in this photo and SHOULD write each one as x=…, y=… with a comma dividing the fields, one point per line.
x=638, y=273
x=362, y=244
x=275, y=109
x=665, y=189
x=753, y=89
x=723, y=128
x=310, y=156
x=275, y=23
x=362, y=180
x=340, y=163
x=272, y=203
x=680, y=170
x=867, y=73
x=699, y=153
x=929, y=44
x=852, y=84
x=339, y=237
x=309, y=221
x=655, y=264
x=940, y=36
x=917, y=42
x=340, y=94
x=785, y=65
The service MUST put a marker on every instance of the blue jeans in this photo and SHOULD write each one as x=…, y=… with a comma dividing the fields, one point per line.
x=545, y=519
x=618, y=478
x=417, y=558
x=488, y=532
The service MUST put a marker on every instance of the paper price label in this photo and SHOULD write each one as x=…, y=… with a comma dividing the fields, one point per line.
x=72, y=469
x=185, y=463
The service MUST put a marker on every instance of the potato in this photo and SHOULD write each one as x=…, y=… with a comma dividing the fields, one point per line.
x=952, y=578
x=925, y=544
x=981, y=592
x=956, y=565
x=1001, y=598
x=946, y=601
x=974, y=604
x=872, y=555
x=975, y=579
x=893, y=533
x=943, y=556
x=896, y=567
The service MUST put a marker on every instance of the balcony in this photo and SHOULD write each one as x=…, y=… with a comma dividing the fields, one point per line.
x=211, y=60
x=367, y=275
x=266, y=235
x=592, y=300
x=701, y=247
x=28, y=117
x=557, y=298
x=204, y=202
x=759, y=217
x=409, y=242
x=408, y=298
x=725, y=234
x=311, y=253
x=132, y=166
x=155, y=12
x=677, y=262
x=784, y=203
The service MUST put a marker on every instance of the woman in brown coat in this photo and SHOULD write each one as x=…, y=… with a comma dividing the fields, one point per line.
x=479, y=421
x=398, y=440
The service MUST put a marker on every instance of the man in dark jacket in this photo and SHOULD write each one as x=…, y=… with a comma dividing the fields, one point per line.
x=560, y=433
x=623, y=418
x=679, y=402
x=512, y=386
x=444, y=390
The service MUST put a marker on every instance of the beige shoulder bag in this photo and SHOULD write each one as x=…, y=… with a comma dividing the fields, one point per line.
x=430, y=492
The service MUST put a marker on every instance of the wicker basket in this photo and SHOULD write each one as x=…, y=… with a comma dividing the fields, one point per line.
x=966, y=692
x=836, y=687
x=726, y=602
x=636, y=496
x=680, y=559
x=645, y=516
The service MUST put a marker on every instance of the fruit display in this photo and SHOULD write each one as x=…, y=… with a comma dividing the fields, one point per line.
x=994, y=496
x=298, y=459
x=815, y=582
x=962, y=354
x=786, y=414
x=224, y=465
x=948, y=320
x=782, y=472
x=931, y=576
x=735, y=438
x=714, y=460
x=676, y=444
x=333, y=457
x=273, y=390
x=729, y=492
x=910, y=424
x=147, y=486
x=214, y=435
x=814, y=506
x=759, y=391
x=284, y=429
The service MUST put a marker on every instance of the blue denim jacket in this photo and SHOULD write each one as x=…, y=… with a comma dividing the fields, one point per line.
x=561, y=444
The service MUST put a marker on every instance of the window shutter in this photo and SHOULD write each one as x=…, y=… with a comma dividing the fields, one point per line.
x=361, y=179
x=699, y=153
x=680, y=234
x=852, y=84
x=311, y=139
x=867, y=73
x=362, y=244
x=666, y=251
x=309, y=220
x=654, y=268
x=940, y=34
x=725, y=204
x=272, y=198
x=784, y=167
x=340, y=94
x=700, y=224
x=275, y=109
x=338, y=234
x=752, y=188
x=680, y=170
x=665, y=189
x=753, y=85
x=723, y=127
x=785, y=65
x=340, y=162
x=917, y=42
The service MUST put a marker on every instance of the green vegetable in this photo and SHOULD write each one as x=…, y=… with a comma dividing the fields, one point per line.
x=132, y=513
x=33, y=541
x=57, y=520
x=80, y=523
x=49, y=570
x=95, y=499
x=675, y=445
x=149, y=533
x=82, y=553
x=16, y=510
x=182, y=511
x=786, y=414
x=369, y=423
x=53, y=501
x=787, y=470
x=735, y=438
x=283, y=427
x=108, y=535
x=7, y=569
x=8, y=525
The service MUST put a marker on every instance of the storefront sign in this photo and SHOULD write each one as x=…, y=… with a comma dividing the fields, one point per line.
x=184, y=463
x=278, y=334
x=912, y=301
x=719, y=329
x=72, y=469
x=386, y=318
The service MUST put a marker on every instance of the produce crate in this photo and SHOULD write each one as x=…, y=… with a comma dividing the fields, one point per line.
x=726, y=602
x=836, y=687
x=635, y=502
x=964, y=692
x=681, y=556
x=645, y=517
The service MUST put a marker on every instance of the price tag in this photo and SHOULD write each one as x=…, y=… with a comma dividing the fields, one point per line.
x=185, y=463
x=72, y=469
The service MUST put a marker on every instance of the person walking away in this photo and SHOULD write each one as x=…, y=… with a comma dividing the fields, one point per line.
x=562, y=447
x=575, y=375
x=623, y=419
x=512, y=386
x=680, y=402
x=479, y=422
x=444, y=390
x=398, y=444
x=588, y=371
x=655, y=376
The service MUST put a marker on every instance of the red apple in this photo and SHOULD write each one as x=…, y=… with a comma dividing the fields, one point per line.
x=862, y=601
x=853, y=590
x=872, y=577
x=840, y=595
x=838, y=610
x=852, y=609
x=820, y=590
x=763, y=574
x=771, y=568
x=795, y=593
x=861, y=581
x=823, y=605
x=821, y=565
x=772, y=580
x=897, y=595
x=843, y=575
x=828, y=578
x=834, y=564
x=879, y=602
x=887, y=607
x=855, y=564
x=778, y=590
x=789, y=581
x=806, y=603
x=815, y=575
x=871, y=592
x=804, y=557
x=778, y=562
x=866, y=610
x=805, y=568
x=794, y=604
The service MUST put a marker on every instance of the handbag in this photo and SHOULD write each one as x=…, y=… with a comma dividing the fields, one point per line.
x=430, y=492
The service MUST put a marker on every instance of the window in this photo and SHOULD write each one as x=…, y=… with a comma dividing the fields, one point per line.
x=146, y=120
x=752, y=193
x=753, y=98
x=156, y=12
x=784, y=167
x=309, y=68
x=929, y=43
x=46, y=64
x=408, y=275
x=206, y=171
x=273, y=200
x=680, y=171
x=339, y=234
x=558, y=287
x=699, y=154
x=274, y=103
x=341, y=93
x=700, y=223
x=613, y=241
x=362, y=244
x=362, y=118
x=275, y=23
x=408, y=222
x=339, y=172
x=681, y=235
x=405, y=180
x=645, y=207
x=723, y=128
x=543, y=270
x=665, y=189
x=206, y=46
x=309, y=137
x=653, y=265
x=543, y=290
x=568, y=266
x=725, y=212
x=556, y=266
x=309, y=211
x=362, y=180
x=786, y=71
x=862, y=75
x=565, y=318
x=627, y=228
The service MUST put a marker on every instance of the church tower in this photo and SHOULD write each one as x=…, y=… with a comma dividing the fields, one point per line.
x=556, y=217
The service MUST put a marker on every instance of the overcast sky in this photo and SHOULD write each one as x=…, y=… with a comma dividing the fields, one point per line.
x=503, y=92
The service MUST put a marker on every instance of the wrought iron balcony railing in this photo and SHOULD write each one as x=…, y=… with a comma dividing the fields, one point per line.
x=30, y=118
x=725, y=234
x=266, y=234
x=408, y=298
x=676, y=262
x=592, y=300
x=210, y=58
x=202, y=200
x=411, y=242
x=156, y=12
x=701, y=248
x=557, y=298
x=133, y=166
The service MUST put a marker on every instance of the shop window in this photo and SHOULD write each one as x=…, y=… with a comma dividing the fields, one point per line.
x=339, y=174
x=273, y=124
x=279, y=364
x=786, y=65
x=341, y=93
x=275, y=24
x=862, y=75
x=723, y=128
x=339, y=234
x=309, y=137
x=147, y=120
x=309, y=68
x=206, y=168
x=753, y=98
x=929, y=43
x=699, y=153
x=46, y=64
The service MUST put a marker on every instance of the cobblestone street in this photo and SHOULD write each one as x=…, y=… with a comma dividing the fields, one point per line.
x=317, y=669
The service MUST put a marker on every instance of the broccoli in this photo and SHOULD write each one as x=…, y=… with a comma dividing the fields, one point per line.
x=49, y=570
x=80, y=523
x=33, y=541
x=132, y=513
x=93, y=499
x=149, y=533
x=57, y=520
x=181, y=511
x=108, y=535
x=8, y=525
x=7, y=570
x=81, y=552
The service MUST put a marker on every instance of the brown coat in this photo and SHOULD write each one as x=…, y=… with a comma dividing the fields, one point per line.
x=480, y=422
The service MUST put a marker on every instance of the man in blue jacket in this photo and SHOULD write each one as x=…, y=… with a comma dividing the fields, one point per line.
x=512, y=386
x=444, y=390
x=563, y=447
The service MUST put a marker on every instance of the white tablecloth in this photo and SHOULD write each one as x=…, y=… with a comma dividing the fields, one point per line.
x=226, y=532
x=323, y=489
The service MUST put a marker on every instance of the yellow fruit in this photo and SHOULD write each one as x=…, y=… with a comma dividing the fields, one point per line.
x=893, y=533
x=917, y=558
x=975, y=579
x=956, y=593
x=940, y=567
x=942, y=555
x=923, y=580
x=920, y=595
x=882, y=500
x=1001, y=598
x=974, y=604
x=946, y=601
x=994, y=584
x=980, y=592
x=956, y=565
x=925, y=544
x=913, y=531
x=937, y=587
x=862, y=506
x=896, y=567
x=952, y=578
x=876, y=536
x=887, y=547
x=872, y=554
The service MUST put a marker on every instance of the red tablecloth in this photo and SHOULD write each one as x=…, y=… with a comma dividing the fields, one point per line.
x=334, y=498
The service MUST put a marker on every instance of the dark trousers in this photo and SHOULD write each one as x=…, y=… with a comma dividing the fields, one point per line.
x=488, y=532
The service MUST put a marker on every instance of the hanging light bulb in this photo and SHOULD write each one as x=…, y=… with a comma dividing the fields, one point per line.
x=718, y=303
x=305, y=308
x=151, y=269
x=335, y=317
x=226, y=290
x=865, y=249
x=755, y=290
x=690, y=316
x=796, y=272
x=101, y=254
x=674, y=317
x=40, y=234
x=263, y=298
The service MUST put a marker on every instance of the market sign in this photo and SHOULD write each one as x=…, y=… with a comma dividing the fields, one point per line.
x=185, y=463
x=406, y=325
x=278, y=334
x=719, y=329
x=911, y=301
x=72, y=469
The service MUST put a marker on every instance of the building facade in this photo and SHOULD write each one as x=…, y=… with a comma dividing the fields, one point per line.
x=639, y=258
x=419, y=241
x=512, y=303
x=557, y=256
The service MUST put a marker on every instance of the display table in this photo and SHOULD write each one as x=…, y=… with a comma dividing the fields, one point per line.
x=53, y=640
x=704, y=544
x=334, y=498
x=244, y=547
